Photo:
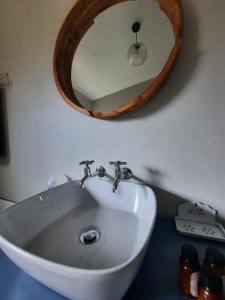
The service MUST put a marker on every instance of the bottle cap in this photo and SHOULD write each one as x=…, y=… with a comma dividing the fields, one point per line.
x=189, y=254
x=210, y=281
x=215, y=258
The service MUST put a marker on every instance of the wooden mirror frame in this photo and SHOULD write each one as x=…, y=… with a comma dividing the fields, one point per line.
x=77, y=23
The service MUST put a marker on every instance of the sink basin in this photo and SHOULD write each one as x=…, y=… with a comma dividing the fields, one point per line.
x=86, y=244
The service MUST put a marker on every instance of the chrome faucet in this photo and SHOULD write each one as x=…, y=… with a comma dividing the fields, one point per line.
x=120, y=174
x=100, y=171
x=87, y=170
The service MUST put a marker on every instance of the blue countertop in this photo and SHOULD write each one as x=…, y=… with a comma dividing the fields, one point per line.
x=156, y=280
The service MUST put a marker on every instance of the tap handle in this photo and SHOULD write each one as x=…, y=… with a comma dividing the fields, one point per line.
x=86, y=162
x=118, y=163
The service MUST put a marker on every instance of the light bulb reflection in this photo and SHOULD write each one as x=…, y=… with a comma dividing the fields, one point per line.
x=137, y=54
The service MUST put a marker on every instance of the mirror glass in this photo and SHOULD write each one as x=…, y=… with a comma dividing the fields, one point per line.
x=104, y=74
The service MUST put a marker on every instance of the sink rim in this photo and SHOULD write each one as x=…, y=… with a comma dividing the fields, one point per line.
x=38, y=260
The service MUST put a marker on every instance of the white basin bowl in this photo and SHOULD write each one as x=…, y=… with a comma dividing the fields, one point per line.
x=42, y=234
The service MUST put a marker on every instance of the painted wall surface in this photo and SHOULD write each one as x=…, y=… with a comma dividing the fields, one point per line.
x=176, y=142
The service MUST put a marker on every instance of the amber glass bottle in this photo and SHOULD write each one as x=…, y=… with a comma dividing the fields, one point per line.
x=215, y=260
x=210, y=285
x=189, y=271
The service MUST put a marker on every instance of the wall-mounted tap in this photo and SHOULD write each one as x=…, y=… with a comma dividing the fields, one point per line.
x=100, y=171
x=87, y=170
x=120, y=174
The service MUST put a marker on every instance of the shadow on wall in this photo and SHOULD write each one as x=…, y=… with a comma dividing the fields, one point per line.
x=183, y=71
x=167, y=202
x=4, y=133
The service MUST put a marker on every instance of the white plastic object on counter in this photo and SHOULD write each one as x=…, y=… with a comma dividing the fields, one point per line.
x=198, y=219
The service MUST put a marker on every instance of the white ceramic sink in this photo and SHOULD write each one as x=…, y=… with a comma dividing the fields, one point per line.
x=42, y=235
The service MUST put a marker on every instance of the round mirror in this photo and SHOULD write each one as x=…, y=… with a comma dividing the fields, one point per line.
x=112, y=57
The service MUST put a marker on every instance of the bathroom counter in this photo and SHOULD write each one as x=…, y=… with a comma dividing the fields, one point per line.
x=157, y=279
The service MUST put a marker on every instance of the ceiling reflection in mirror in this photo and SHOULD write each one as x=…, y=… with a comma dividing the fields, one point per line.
x=102, y=76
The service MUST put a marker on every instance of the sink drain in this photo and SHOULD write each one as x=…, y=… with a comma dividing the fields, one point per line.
x=89, y=235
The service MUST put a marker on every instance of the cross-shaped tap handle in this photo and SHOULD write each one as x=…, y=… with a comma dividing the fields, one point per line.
x=87, y=162
x=118, y=163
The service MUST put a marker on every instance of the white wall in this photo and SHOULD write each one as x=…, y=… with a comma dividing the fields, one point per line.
x=177, y=141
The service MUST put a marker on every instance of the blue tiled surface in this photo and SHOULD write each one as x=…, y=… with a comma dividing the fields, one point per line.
x=157, y=279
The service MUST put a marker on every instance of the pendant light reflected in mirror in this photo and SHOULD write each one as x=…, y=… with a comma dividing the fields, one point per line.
x=137, y=53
